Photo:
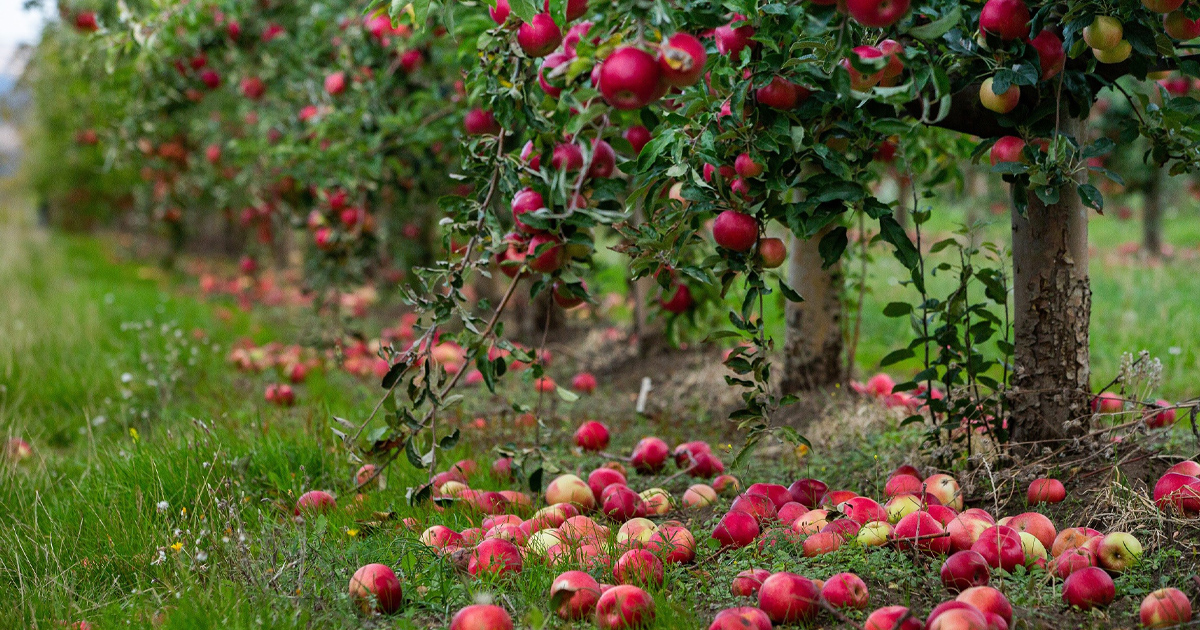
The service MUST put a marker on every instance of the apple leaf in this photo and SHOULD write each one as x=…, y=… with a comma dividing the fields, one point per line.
x=938, y=27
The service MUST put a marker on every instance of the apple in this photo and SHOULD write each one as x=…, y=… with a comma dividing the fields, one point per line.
x=657, y=500
x=790, y=511
x=1186, y=467
x=1035, y=524
x=573, y=595
x=736, y=529
x=1116, y=54
x=440, y=537
x=788, y=598
x=745, y=166
x=757, y=505
x=1072, y=538
x=699, y=495
x=495, y=556
x=741, y=618
x=622, y=504
x=966, y=528
x=638, y=137
x=1089, y=588
x=674, y=544
x=1007, y=19
x=1165, y=608
x=1001, y=547
x=636, y=531
x=811, y=522
x=481, y=617
x=735, y=231
x=1051, y=55
x=550, y=259
x=681, y=59
x=988, y=601
x=1175, y=491
x=315, y=502
x=808, y=492
x=375, y=587
x=946, y=489
x=941, y=513
x=604, y=160
x=253, y=88
x=920, y=530
x=1104, y=33
x=1045, y=491
x=902, y=484
x=821, y=543
x=335, y=83
x=638, y=566
x=732, y=41
x=965, y=569
x=649, y=455
x=893, y=618
x=1118, y=551
x=877, y=13
x=780, y=94
x=582, y=528
x=860, y=82
x=1176, y=24
x=875, y=534
x=499, y=13
x=772, y=252
x=1034, y=550
x=685, y=453
x=540, y=36
x=624, y=607
x=901, y=506
x=592, y=436
x=679, y=301
x=570, y=489
x=1162, y=6
x=567, y=157
x=999, y=103
x=1007, y=149
x=862, y=510
x=1108, y=402
x=725, y=484
x=1160, y=414
x=1071, y=561
x=747, y=583
x=845, y=590
x=705, y=465
x=778, y=494
x=527, y=200
x=629, y=78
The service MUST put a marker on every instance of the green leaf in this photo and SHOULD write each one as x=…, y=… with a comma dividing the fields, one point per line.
x=393, y=375
x=897, y=309
x=448, y=441
x=789, y=293
x=410, y=452
x=566, y=394
x=525, y=9
x=1091, y=197
x=905, y=251
x=938, y=27
x=896, y=356
x=832, y=246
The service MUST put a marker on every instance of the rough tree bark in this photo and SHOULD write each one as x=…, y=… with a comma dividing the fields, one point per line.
x=812, y=351
x=1052, y=307
x=1152, y=215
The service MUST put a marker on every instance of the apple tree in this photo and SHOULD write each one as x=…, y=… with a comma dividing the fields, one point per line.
x=715, y=121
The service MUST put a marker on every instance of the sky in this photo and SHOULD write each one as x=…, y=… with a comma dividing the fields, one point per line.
x=17, y=27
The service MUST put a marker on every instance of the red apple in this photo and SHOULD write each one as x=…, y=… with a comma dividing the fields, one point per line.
x=602, y=478
x=1180, y=26
x=730, y=40
x=672, y=544
x=592, y=436
x=629, y=78
x=862, y=82
x=845, y=590
x=772, y=252
x=1001, y=547
x=1186, y=467
x=741, y=618
x=736, y=529
x=808, y=492
x=681, y=60
x=552, y=255
x=965, y=569
x=375, y=587
x=637, y=136
x=1007, y=149
x=624, y=607
x=1165, y=608
x=902, y=484
x=735, y=231
x=540, y=36
x=335, y=83
x=757, y=505
x=1160, y=414
x=920, y=530
x=1071, y=561
x=1072, y=538
x=1089, y=588
x=604, y=160
x=747, y=583
x=1045, y=491
x=988, y=601
x=481, y=617
x=778, y=494
x=584, y=382
x=877, y=13
x=496, y=556
x=1007, y=19
x=638, y=566
x=889, y=618
x=1162, y=6
x=1036, y=524
x=1051, y=55
x=821, y=543
x=780, y=94
x=573, y=595
x=788, y=598
x=676, y=300
x=622, y=504
x=649, y=455
x=499, y=13
x=315, y=502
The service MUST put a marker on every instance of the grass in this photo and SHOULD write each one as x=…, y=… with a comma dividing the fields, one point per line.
x=161, y=490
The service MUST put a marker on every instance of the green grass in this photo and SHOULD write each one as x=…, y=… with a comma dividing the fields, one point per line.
x=175, y=510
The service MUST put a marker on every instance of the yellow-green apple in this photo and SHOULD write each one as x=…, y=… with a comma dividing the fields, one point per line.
x=1033, y=548
x=1117, y=54
x=726, y=484
x=900, y=506
x=811, y=522
x=1104, y=33
x=875, y=534
x=658, y=501
x=1118, y=551
x=636, y=531
x=1001, y=103
x=570, y=489
x=1180, y=26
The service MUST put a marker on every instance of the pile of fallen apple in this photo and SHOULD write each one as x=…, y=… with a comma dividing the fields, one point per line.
x=920, y=515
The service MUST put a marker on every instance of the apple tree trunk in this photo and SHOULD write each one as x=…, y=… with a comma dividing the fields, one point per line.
x=1052, y=306
x=1152, y=215
x=814, y=344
